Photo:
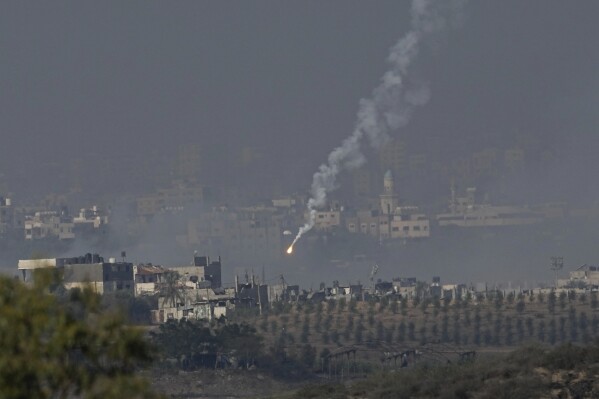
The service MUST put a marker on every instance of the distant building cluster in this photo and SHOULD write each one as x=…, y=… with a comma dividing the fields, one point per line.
x=38, y=223
x=196, y=291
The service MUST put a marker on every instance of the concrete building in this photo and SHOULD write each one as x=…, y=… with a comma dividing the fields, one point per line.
x=513, y=159
x=586, y=276
x=90, y=219
x=326, y=220
x=148, y=278
x=393, y=156
x=174, y=198
x=362, y=183
x=371, y=223
x=242, y=234
x=203, y=273
x=466, y=212
x=88, y=271
x=405, y=287
x=48, y=224
x=391, y=220
x=408, y=222
x=484, y=162
x=6, y=212
x=284, y=202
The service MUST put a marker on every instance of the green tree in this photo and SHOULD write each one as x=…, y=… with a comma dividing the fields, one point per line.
x=530, y=327
x=583, y=322
x=171, y=290
x=562, y=300
x=510, y=298
x=305, y=331
x=358, y=337
x=422, y=332
x=541, y=331
x=401, y=332
x=394, y=306
x=509, y=334
x=352, y=305
x=595, y=325
x=498, y=301
x=520, y=306
x=594, y=301
x=551, y=302
x=541, y=297
x=383, y=304
x=308, y=355
x=55, y=348
x=552, y=332
x=520, y=330
x=445, y=329
x=403, y=306
x=411, y=330
x=274, y=327
x=380, y=331
x=389, y=332
x=562, y=329
x=331, y=305
x=341, y=305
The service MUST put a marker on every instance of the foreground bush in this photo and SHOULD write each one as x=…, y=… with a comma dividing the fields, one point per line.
x=64, y=347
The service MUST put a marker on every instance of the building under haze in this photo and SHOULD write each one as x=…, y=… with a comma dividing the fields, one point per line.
x=466, y=212
x=49, y=224
x=180, y=195
x=248, y=235
x=391, y=220
x=87, y=271
x=10, y=219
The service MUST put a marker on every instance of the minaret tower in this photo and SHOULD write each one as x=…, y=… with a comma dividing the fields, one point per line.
x=389, y=200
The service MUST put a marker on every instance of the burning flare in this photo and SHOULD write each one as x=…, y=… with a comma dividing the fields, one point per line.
x=290, y=249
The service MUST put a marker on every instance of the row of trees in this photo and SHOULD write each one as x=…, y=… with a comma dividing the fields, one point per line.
x=459, y=324
x=195, y=344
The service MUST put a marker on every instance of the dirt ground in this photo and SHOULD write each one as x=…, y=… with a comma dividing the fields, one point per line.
x=218, y=384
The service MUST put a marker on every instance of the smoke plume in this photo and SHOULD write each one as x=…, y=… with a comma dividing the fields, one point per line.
x=391, y=104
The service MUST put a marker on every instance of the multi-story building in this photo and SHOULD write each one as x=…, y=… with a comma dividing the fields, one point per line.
x=362, y=183
x=466, y=212
x=390, y=220
x=243, y=234
x=148, y=278
x=484, y=162
x=90, y=219
x=327, y=220
x=372, y=223
x=176, y=197
x=586, y=276
x=88, y=271
x=393, y=156
x=48, y=224
x=514, y=159
x=10, y=218
x=409, y=222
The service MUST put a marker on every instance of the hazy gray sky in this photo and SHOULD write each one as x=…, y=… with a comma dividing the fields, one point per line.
x=119, y=77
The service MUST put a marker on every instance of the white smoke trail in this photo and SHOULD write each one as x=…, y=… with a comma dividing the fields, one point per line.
x=391, y=105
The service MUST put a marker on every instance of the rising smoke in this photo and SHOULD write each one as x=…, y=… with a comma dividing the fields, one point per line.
x=391, y=105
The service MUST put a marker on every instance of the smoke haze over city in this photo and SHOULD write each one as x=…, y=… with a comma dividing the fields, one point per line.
x=108, y=103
